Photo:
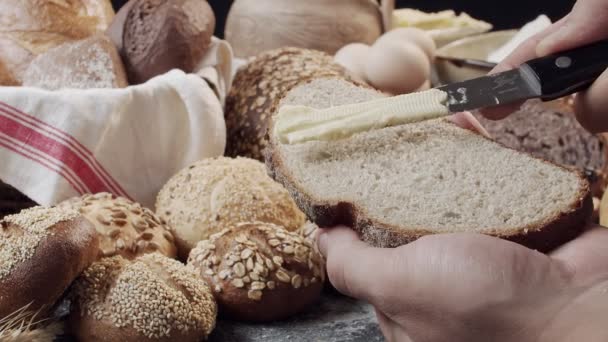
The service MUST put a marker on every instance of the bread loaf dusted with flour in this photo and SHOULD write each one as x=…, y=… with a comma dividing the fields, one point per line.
x=396, y=184
x=31, y=27
x=84, y=64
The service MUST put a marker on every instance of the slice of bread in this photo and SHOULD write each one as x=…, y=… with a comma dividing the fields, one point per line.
x=397, y=184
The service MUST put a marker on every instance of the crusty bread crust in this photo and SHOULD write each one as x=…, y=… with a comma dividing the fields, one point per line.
x=59, y=259
x=544, y=237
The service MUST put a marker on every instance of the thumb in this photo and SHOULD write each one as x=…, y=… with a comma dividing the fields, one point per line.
x=586, y=256
x=584, y=25
x=353, y=267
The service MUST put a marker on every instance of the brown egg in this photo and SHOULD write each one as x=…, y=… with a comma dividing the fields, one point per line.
x=353, y=57
x=413, y=35
x=396, y=67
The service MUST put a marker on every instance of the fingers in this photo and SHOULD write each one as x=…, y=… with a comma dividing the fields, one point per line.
x=591, y=106
x=525, y=52
x=468, y=121
x=354, y=268
x=585, y=24
x=587, y=256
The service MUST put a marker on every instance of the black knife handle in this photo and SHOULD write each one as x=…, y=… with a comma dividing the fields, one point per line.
x=570, y=71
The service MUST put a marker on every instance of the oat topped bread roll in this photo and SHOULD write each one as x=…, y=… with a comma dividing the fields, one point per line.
x=42, y=250
x=31, y=27
x=84, y=64
x=152, y=298
x=213, y=194
x=260, y=272
x=125, y=228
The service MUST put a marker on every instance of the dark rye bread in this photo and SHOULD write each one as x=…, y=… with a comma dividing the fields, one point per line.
x=259, y=86
x=551, y=132
x=398, y=184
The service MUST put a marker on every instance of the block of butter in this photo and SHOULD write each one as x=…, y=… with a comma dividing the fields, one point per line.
x=298, y=124
x=444, y=26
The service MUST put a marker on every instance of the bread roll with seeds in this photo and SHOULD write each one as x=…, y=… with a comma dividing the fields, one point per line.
x=259, y=86
x=125, y=228
x=259, y=271
x=216, y=193
x=42, y=251
x=152, y=298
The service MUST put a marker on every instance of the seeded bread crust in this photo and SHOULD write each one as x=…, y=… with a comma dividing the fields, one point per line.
x=260, y=85
x=124, y=227
x=544, y=237
x=260, y=272
x=150, y=299
x=66, y=249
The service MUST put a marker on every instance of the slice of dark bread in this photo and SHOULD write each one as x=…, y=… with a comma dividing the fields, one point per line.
x=397, y=184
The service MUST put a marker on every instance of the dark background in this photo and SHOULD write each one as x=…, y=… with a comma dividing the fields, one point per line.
x=503, y=14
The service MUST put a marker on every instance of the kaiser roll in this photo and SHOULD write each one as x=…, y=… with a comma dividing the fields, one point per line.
x=42, y=251
x=259, y=271
x=152, y=298
x=260, y=85
x=125, y=228
x=31, y=27
x=160, y=35
x=216, y=193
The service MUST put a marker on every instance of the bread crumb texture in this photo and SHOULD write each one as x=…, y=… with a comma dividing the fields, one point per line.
x=153, y=294
x=258, y=88
x=258, y=257
x=216, y=193
x=22, y=233
x=124, y=227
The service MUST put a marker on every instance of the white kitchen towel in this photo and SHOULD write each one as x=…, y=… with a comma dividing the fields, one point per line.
x=59, y=144
x=216, y=68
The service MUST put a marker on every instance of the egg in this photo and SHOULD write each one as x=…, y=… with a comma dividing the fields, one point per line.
x=414, y=35
x=425, y=86
x=396, y=67
x=353, y=57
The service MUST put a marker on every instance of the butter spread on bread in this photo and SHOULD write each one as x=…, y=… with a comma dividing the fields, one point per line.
x=298, y=124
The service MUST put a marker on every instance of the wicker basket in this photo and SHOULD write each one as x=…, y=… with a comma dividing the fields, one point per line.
x=12, y=201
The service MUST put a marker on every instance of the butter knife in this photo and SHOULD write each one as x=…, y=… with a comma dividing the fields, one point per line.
x=546, y=78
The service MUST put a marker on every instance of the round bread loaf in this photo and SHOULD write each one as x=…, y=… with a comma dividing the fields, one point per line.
x=161, y=35
x=42, y=251
x=216, y=193
x=125, y=228
x=31, y=27
x=259, y=271
x=259, y=86
x=152, y=298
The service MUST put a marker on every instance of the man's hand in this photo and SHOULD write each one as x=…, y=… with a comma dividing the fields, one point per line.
x=584, y=25
x=471, y=287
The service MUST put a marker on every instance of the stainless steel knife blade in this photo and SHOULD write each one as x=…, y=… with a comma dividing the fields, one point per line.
x=502, y=88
